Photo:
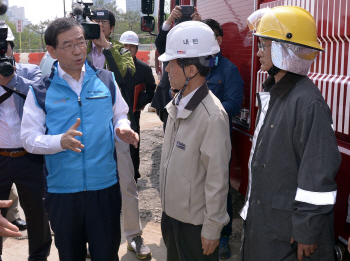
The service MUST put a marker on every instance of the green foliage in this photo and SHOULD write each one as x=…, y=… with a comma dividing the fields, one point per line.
x=39, y=29
x=128, y=21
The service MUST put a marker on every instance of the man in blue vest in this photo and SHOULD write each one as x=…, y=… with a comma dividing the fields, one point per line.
x=73, y=117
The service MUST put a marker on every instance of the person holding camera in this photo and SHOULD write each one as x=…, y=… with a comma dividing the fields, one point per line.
x=73, y=117
x=96, y=50
x=129, y=173
x=16, y=164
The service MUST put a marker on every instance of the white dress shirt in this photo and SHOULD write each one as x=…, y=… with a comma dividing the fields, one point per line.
x=10, y=123
x=33, y=126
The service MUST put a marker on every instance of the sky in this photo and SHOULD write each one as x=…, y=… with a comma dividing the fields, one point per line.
x=41, y=10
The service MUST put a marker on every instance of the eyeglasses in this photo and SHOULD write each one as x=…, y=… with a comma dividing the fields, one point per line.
x=102, y=21
x=69, y=47
x=261, y=46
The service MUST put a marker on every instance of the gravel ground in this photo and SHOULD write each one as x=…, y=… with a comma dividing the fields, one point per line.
x=148, y=184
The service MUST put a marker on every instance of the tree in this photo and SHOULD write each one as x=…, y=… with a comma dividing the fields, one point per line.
x=40, y=30
x=132, y=18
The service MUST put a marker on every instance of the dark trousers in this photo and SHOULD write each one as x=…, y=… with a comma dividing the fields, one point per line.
x=135, y=152
x=183, y=241
x=27, y=173
x=91, y=217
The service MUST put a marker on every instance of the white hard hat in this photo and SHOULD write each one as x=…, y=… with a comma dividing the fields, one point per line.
x=10, y=36
x=190, y=39
x=129, y=37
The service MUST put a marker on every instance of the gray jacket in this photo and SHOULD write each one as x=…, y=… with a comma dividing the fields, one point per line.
x=293, y=167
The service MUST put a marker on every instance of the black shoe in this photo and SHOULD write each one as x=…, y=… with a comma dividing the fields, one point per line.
x=20, y=223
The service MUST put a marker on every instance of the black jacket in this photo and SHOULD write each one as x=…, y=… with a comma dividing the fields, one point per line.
x=161, y=96
x=293, y=167
x=144, y=75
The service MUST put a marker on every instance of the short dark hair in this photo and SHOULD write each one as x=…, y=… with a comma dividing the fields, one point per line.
x=57, y=27
x=215, y=26
x=203, y=70
x=111, y=18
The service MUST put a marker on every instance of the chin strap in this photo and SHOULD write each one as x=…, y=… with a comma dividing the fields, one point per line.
x=273, y=71
x=186, y=83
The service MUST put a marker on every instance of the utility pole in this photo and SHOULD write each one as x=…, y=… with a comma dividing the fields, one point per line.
x=64, y=8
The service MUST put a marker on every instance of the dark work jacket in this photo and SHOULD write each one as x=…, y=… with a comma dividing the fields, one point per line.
x=226, y=84
x=296, y=149
x=144, y=75
x=161, y=96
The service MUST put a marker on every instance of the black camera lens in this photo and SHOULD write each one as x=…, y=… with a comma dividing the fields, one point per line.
x=6, y=69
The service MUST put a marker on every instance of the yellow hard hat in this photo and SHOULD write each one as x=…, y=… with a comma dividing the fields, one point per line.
x=291, y=24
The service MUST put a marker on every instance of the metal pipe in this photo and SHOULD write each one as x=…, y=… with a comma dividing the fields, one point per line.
x=64, y=8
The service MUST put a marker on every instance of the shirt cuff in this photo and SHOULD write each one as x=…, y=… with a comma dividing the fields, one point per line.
x=122, y=124
x=166, y=27
x=56, y=143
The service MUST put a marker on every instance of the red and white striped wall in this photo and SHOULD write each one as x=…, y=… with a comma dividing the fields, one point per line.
x=35, y=58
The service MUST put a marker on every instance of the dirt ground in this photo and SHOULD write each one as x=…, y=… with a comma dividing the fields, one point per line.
x=149, y=202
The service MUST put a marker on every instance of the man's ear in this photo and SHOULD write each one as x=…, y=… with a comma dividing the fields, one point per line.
x=112, y=28
x=192, y=70
x=52, y=51
x=219, y=39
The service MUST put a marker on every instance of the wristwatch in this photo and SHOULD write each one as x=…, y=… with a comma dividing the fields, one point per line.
x=109, y=47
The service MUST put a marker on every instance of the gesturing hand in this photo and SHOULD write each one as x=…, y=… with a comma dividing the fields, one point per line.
x=304, y=250
x=68, y=140
x=6, y=228
x=208, y=245
x=128, y=136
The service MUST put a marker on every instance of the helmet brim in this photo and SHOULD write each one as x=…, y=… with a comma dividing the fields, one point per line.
x=130, y=43
x=311, y=46
x=166, y=57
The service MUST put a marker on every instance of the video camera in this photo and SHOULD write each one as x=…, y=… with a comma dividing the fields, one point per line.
x=6, y=63
x=83, y=14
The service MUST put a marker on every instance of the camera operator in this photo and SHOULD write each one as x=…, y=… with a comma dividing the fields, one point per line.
x=16, y=165
x=121, y=56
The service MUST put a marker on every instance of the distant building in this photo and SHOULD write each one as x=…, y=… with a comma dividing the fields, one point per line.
x=16, y=13
x=135, y=5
